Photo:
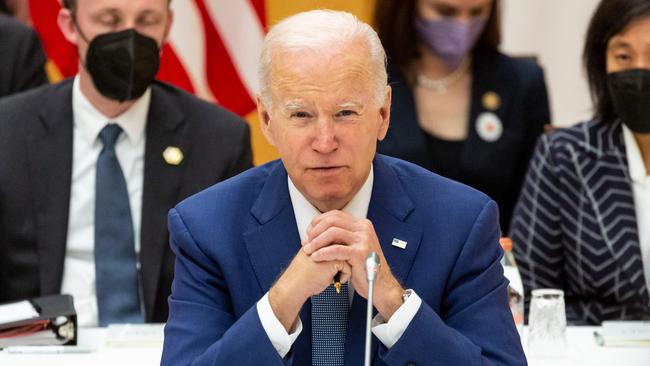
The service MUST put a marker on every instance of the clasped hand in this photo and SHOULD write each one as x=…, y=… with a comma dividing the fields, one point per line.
x=335, y=242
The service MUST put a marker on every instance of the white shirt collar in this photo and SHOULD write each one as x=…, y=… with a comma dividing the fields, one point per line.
x=634, y=159
x=91, y=122
x=305, y=211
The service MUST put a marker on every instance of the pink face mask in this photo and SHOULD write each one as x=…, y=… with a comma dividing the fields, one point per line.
x=449, y=39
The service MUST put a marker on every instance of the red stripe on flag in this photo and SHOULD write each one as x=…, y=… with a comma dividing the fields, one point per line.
x=172, y=71
x=260, y=9
x=57, y=48
x=222, y=76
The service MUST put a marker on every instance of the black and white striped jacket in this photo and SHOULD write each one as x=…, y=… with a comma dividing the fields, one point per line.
x=574, y=226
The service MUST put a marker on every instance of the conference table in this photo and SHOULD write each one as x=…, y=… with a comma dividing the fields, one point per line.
x=582, y=350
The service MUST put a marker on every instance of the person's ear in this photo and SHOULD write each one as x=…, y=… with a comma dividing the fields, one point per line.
x=384, y=114
x=265, y=120
x=65, y=20
x=168, y=26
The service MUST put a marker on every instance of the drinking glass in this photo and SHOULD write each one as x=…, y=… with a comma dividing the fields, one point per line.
x=547, y=323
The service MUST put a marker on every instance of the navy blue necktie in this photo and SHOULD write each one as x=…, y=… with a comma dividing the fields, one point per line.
x=329, y=324
x=118, y=296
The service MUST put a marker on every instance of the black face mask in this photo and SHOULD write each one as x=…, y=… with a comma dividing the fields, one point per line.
x=630, y=91
x=122, y=64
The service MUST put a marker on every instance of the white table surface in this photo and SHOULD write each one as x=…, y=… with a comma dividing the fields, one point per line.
x=104, y=356
x=582, y=350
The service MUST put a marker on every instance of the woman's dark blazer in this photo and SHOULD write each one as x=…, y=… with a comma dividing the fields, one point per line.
x=496, y=168
x=575, y=228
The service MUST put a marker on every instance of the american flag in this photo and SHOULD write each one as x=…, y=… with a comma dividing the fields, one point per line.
x=212, y=51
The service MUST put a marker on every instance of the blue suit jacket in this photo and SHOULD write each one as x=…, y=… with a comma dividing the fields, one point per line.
x=233, y=240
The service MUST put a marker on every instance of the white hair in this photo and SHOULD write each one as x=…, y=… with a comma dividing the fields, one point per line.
x=319, y=30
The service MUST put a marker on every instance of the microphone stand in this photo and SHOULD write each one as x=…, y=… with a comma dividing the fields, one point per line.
x=372, y=267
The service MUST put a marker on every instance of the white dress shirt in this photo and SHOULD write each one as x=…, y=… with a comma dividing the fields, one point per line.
x=387, y=332
x=79, y=264
x=641, y=192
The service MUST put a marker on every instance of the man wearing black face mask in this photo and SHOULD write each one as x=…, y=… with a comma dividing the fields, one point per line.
x=89, y=168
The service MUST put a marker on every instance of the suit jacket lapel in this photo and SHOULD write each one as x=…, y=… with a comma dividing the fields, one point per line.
x=165, y=127
x=486, y=77
x=272, y=243
x=608, y=184
x=389, y=207
x=49, y=150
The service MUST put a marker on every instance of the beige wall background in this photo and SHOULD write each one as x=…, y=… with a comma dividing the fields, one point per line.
x=279, y=9
x=554, y=31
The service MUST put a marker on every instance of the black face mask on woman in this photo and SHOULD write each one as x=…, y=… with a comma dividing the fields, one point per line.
x=630, y=91
x=122, y=64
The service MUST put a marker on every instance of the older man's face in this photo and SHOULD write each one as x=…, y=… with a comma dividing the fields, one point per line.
x=325, y=121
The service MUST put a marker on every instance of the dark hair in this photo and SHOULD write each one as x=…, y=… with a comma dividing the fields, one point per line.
x=394, y=20
x=3, y=7
x=610, y=18
x=72, y=4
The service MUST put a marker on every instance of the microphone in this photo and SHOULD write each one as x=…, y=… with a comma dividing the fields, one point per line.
x=372, y=267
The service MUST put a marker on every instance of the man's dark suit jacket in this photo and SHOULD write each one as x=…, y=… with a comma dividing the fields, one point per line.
x=35, y=178
x=22, y=61
x=494, y=168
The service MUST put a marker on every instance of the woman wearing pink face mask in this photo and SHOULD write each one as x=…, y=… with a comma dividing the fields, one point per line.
x=460, y=107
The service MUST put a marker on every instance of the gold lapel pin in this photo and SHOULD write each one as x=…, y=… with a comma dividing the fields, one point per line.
x=491, y=101
x=173, y=155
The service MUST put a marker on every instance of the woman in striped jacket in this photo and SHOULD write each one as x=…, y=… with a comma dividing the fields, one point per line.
x=582, y=222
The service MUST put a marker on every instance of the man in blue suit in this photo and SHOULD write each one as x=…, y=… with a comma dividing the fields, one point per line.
x=256, y=254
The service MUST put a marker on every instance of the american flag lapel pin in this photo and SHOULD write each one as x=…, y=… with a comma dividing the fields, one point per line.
x=399, y=243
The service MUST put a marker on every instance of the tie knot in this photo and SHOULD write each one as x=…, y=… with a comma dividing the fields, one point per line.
x=110, y=134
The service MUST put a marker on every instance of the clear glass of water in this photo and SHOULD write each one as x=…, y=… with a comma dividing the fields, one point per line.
x=547, y=324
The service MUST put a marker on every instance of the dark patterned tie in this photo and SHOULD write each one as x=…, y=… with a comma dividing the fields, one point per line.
x=329, y=323
x=118, y=299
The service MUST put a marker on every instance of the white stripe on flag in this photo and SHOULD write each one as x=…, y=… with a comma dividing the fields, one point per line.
x=242, y=34
x=188, y=41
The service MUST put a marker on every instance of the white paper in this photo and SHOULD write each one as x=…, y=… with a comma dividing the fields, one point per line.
x=624, y=333
x=135, y=335
x=17, y=311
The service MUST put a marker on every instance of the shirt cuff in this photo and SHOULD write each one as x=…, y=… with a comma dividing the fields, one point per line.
x=281, y=340
x=390, y=332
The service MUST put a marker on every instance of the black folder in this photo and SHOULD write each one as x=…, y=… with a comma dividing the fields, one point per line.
x=56, y=324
